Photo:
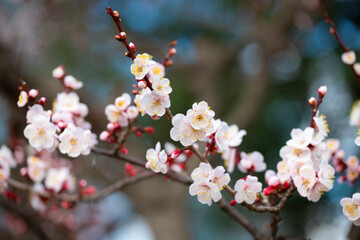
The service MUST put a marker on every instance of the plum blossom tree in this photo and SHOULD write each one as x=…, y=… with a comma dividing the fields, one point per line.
x=308, y=162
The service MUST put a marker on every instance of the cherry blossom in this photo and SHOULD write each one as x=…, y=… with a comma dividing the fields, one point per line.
x=161, y=85
x=41, y=133
x=247, y=190
x=301, y=139
x=156, y=159
x=252, y=162
x=200, y=116
x=228, y=136
x=7, y=159
x=56, y=178
x=115, y=115
x=157, y=70
x=205, y=191
x=355, y=114
x=123, y=101
x=351, y=208
x=73, y=141
x=184, y=132
x=349, y=57
x=322, y=125
x=141, y=65
x=155, y=104
x=72, y=82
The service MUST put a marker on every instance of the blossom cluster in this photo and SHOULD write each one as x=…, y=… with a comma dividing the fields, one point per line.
x=63, y=127
x=170, y=158
x=348, y=169
x=208, y=183
x=305, y=161
x=153, y=99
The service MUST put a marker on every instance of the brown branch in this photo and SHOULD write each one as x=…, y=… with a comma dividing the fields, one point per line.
x=249, y=226
x=275, y=219
x=335, y=33
x=78, y=198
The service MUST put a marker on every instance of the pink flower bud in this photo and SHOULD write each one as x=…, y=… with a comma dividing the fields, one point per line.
x=58, y=72
x=286, y=185
x=89, y=190
x=124, y=150
x=232, y=202
x=82, y=183
x=122, y=35
x=110, y=126
x=267, y=191
x=61, y=125
x=104, y=136
x=172, y=51
x=269, y=174
x=132, y=47
x=274, y=181
x=142, y=85
x=42, y=101
x=322, y=90
x=340, y=154
x=149, y=130
x=24, y=172
x=175, y=153
x=312, y=102
x=33, y=93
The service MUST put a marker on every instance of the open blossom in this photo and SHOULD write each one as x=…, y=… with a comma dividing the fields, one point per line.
x=161, y=85
x=56, y=178
x=113, y=114
x=219, y=177
x=284, y=171
x=36, y=168
x=155, y=104
x=252, y=162
x=23, y=99
x=68, y=102
x=157, y=70
x=72, y=82
x=247, y=190
x=228, y=136
x=208, y=183
x=58, y=72
x=139, y=100
x=356, y=68
x=7, y=159
x=200, y=116
x=301, y=139
x=305, y=180
x=141, y=65
x=123, y=101
x=348, y=58
x=351, y=208
x=91, y=140
x=355, y=114
x=73, y=141
x=36, y=110
x=156, y=159
x=41, y=133
x=4, y=176
x=230, y=158
x=295, y=154
x=322, y=125
x=132, y=112
x=183, y=131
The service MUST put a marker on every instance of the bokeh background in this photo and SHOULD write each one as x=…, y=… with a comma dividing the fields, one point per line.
x=255, y=62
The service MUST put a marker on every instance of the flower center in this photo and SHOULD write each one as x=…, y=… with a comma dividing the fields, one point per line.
x=73, y=141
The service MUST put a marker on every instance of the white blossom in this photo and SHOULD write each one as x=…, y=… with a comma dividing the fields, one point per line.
x=253, y=161
x=161, y=85
x=58, y=72
x=229, y=156
x=141, y=65
x=205, y=191
x=7, y=159
x=155, y=104
x=113, y=114
x=322, y=125
x=183, y=131
x=201, y=116
x=219, y=177
x=56, y=178
x=36, y=168
x=157, y=70
x=348, y=58
x=356, y=67
x=72, y=82
x=139, y=100
x=355, y=114
x=305, y=180
x=156, y=159
x=40, y=132
x=36, y=110
x=123, y=101
x=228, y=136
x=351, y=207
x=247, y=190
x=23, y=99
x=73, y=141
x=301, y=139
x=132, y=112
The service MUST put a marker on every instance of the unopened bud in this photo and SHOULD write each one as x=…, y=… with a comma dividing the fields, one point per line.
x=24, y=172
x=149, y=130
x=322, y=91
x=232, y=203
x=82, y=183
x=104, y=135
x=58, y=72
x=123, y=36
x=312, y=102
x=340, y=154
x=142, y=84
x=267, y=191
x=172, y=51
x=132, y=47
x=42, y=101
x=33, y=93
x=286, y=185
x=127, y=54
x=89, y=190
x=274, y=181
x=116, y=14
x=173, y=43
x=117, y=37
x=175, y=153
x=61, y=125
x=110, y=126
x=269, y=174
x=168, y=63
x=124, y=150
